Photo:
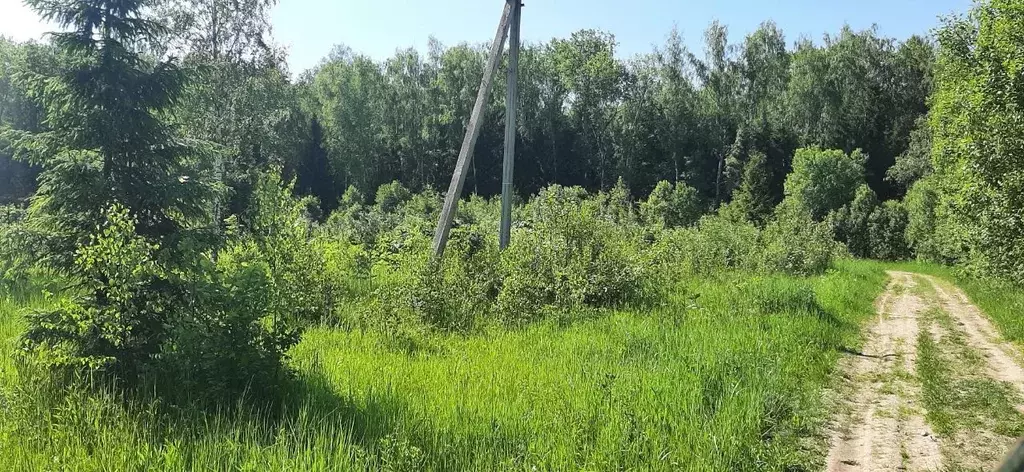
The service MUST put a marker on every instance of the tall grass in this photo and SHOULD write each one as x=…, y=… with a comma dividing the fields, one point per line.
x=726, y=375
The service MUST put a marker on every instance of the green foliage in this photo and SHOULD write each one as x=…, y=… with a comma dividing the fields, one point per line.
x=231, y=335
x=824, y=180
x=119, y=324
x=715, y=245
x=860, y=91
x=920, y=203
x=248, y=307
x=117, y=184
x=18, y=111
x=566, y=258
x=872, y=229
x=277, y=237
x=916, y=162
x=753, y=200
x=415, y=291
x=147, y=303
x=671, y=205
x=887, y=227
x=850, y=224
x=351, y=199
x=794, y=243
x=746, y=361
x=20, y=246
x=617, y=203
x=642, y=311
x=390, y=196
x=978, y=157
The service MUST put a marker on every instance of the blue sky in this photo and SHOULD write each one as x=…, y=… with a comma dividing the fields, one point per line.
x=378, y=27
x=309, y=28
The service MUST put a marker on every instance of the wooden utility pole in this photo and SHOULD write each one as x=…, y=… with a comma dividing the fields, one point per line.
x=511, y=107
x=451, y=199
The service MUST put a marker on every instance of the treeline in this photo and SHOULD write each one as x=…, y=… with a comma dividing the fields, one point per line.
x=587, y=116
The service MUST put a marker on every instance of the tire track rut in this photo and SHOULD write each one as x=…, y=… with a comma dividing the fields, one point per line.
x=884, y=427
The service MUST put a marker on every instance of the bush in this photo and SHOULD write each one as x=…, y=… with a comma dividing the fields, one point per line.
x=351, y=199
x=916, y=162
x=869, y=229
x=232, y=333
x=346, y=270
x=208, y=330
x=617, y=205
x=978, y=140
x=920, y=204
x=753, y=200
x=416, y=294
x=850, y=224
x=19, y=247
x=824, y=180
x=794, y=243
x=244, y=310
x=670, y=206
x=887, y=228
x=716, y=244
x=566, y=259
x=117, y=326
x=279, y=237
x=390, y=196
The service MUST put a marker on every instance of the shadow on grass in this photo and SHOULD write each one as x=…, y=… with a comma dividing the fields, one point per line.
x=309, y=425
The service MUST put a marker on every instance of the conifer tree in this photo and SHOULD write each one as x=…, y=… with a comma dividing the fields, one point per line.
x=119, y=193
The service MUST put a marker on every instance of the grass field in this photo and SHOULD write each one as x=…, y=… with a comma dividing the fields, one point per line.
x=727, y=375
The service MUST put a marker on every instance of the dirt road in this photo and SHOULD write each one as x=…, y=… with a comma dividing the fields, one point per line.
x=934, y=387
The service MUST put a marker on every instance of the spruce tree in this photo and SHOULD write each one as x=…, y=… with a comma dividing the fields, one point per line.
x=119, y=193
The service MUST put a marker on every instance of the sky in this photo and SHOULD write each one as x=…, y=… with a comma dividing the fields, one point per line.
x=310, y=28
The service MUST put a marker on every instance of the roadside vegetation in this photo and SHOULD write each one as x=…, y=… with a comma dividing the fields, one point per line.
x=207, y=265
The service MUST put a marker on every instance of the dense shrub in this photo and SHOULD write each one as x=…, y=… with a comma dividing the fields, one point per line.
x=617, y=205
x=916, y=162
x=414, y=290
x=824, y=180
x=850, y=224
x=714, y=245
x=117, y=324
x=19, y=246
x=887, y=227
x=794, y=243
x=753, y=200
x=346, y=269
x=242, y=312
x=391, y=195
x=567, y=258
x=231, y=333
x=978, y=140
x=279, y=237
x=352, y=198
x=486, y=212
x=920, y=204
x=672, y=205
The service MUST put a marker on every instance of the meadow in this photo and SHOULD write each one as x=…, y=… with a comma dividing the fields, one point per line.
x=192, y=277
x=727, y=374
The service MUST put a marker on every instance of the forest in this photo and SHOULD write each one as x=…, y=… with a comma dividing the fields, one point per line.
x=208, y=261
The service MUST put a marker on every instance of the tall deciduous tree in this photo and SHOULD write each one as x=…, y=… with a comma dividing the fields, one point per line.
x=978, y=150
x=240, y=97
